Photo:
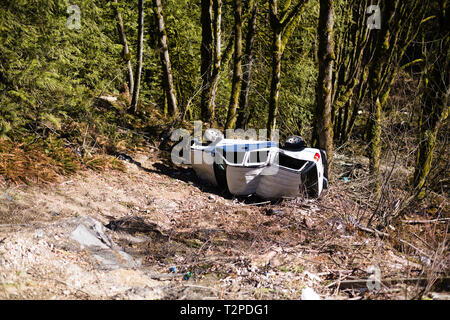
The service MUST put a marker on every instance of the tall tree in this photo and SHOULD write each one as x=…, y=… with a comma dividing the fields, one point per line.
x=126, y=51
x=436, y=90
x=206, y=51
x=168, y=85
x=247, y=60
x=217, y=52
x=378, y=67
x=213, y=61
x=350, y=76
x=401, y=23
x=323, y=125
x=283, y=23
x=237, y=69
x=140, y=54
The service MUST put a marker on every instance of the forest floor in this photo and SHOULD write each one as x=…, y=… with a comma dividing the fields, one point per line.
x=166, y=223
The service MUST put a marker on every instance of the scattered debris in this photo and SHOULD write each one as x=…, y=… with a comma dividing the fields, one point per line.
x=236, y=248
x=271, y=212
x=125, y=157
x=187, y=276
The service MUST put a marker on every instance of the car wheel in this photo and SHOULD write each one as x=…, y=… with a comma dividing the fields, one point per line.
x=325, y=168
x=294, y=143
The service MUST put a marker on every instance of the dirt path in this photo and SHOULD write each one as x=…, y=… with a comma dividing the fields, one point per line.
x=53, y=243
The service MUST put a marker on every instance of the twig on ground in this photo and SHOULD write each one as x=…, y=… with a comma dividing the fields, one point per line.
x=374, y=231
x=259, y=204
x=200, y=287
x=58, y=281
x=442, y=220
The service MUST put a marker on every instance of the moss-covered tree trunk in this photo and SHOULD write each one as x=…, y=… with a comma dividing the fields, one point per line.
x=217, y=52
x=326, y=57
x=275, y=83
x=400, y=24
x=248, y=59
x=435, y=105
x=350, y=51
x=168, y=84
x=375, y=79
x=140, y=54
x=213, y=60
x=283, y=24
x=206, y=52
x=237, y=69
x=361, y=93
x=126, y=51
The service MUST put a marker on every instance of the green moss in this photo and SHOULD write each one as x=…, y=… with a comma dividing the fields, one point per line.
x=193, y=243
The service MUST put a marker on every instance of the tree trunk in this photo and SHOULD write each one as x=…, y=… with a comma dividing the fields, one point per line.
x=376, y=71
x=435, y=107
x=360, y=95
x=275, y=84
x=341, y=133
x=326, y=56
x=126, y=52
x=248, y=59
x=217, y=52
x=140, y=53
x=283, y=25
x=351, y=50
x=213, y=61
x=168, y=85
x=206, y=51
x=237, y=71
x=400, y=23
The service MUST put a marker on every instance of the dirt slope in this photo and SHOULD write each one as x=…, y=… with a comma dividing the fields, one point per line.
x=53, y=243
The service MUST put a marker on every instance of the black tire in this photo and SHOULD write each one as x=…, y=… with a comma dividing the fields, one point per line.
x=324, y=157
x=295, y=143
x=220, y=171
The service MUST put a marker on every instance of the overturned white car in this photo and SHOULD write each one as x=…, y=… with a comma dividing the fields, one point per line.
x=247, y=167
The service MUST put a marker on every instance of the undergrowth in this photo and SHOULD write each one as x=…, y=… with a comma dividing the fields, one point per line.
x=45, y=161
x=92, y=142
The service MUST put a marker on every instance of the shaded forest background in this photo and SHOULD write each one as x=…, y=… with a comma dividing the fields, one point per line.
x=76, y=97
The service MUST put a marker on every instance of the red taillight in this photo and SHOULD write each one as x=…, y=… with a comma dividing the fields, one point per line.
x=317, y=156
